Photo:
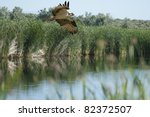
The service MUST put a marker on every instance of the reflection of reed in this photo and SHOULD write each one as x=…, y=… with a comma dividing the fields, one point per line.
x=66, y=71
x=140, y=87
x=64, y=68
x=11, y=67
x=58, y=93
x=88, y=90
x=136, y=90
x=71, y=92
x=1, y=77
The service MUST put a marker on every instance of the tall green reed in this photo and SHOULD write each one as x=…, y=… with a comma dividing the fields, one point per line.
x=32, y=35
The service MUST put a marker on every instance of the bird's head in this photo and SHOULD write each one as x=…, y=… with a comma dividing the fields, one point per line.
x=71, y=14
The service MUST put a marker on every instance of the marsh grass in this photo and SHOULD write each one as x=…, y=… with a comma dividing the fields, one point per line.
x=32, y=35
x=105, y=43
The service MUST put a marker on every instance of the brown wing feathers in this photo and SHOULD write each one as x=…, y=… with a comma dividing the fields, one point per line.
x=66, y=4
x=64, y=18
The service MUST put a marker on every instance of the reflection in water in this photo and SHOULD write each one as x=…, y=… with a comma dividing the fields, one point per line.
x=74, y=78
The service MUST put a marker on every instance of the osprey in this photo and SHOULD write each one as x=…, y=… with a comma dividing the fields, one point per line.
x=64, y=18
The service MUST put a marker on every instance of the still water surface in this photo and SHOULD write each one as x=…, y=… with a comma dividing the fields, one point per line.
x=66, y=78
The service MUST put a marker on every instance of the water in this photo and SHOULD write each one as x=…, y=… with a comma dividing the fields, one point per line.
x=74, y=78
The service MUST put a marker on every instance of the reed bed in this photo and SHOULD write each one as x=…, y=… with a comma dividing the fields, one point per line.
x=33, y=35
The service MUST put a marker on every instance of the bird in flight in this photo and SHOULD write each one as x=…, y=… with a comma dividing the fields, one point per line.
x=61, y=15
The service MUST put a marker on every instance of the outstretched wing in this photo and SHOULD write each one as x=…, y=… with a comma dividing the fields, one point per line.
x=64, y=18
x=61, y=14
x=68, y=24
x=71, y=28
x=61, y=9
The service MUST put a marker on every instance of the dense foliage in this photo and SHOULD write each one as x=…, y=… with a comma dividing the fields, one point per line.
x=104, y=39
x=98, y=35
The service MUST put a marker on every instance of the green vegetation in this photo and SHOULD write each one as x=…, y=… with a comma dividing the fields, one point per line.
x=109, y=42
x=25, y=34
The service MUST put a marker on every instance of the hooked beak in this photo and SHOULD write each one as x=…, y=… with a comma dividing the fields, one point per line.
x=71, y=14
